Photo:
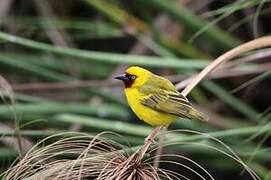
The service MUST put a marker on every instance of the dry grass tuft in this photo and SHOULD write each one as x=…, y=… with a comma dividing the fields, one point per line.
x=79, y=156
x=73, y=157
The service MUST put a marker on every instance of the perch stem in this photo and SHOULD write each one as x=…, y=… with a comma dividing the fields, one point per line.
x=148, y=141
x=160, y=147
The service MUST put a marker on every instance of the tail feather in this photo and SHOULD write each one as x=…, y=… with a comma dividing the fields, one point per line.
x=195, y=114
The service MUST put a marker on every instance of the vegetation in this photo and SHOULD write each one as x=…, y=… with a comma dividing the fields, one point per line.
x=63, y=115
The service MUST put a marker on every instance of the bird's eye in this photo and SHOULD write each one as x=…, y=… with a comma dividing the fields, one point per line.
x=133, y=77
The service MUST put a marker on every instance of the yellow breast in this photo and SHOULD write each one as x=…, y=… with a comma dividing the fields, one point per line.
x=145, y=113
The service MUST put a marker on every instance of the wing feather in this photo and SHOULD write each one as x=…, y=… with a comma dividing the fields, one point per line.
x=168, y=102
x=161, y=95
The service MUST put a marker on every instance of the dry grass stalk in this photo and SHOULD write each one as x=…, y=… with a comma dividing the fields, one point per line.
x=9, y=100
x=246, y=47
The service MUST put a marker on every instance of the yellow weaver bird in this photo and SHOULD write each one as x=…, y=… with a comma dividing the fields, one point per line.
x=155, y=99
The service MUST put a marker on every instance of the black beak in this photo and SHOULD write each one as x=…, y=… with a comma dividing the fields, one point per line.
x=122, y=77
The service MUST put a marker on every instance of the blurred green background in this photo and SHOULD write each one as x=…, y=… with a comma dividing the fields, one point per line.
x=60, y=58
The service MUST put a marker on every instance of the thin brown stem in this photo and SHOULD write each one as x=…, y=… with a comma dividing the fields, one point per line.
x=159, y=151
x=148, y=141
x=251, y=45
x=224, y=73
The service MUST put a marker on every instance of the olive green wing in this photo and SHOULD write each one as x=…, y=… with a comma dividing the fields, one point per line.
x=162, y=96
x=168, y=102
x=159, y=82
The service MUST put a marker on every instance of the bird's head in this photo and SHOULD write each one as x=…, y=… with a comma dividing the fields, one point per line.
x=134, y=77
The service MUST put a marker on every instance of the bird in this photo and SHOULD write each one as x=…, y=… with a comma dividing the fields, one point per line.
x=154, y=99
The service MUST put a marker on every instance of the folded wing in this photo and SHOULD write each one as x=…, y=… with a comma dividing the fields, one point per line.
x=169, y=101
